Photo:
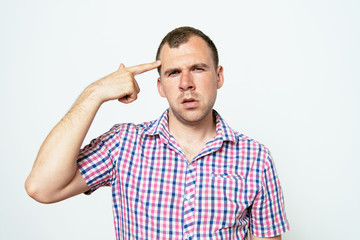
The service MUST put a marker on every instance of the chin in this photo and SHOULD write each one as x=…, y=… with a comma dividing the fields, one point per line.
x=191, y=117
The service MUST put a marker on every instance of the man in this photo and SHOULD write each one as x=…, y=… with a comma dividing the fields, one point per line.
x=187, y=175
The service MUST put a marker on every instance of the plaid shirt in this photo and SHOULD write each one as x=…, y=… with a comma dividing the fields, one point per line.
x=229, y=187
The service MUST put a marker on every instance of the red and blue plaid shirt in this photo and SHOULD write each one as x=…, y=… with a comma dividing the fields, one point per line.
x=229, y=187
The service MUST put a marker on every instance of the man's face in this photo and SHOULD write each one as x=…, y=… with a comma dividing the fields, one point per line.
x=189, y=80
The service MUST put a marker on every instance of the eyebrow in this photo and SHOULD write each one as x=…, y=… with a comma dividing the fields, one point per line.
x=196, y=65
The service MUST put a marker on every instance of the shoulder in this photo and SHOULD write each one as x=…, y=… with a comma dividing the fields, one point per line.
x=251, y=151
x=246, y=141
x=121, y=128
x=126, y=130
x=247, y=147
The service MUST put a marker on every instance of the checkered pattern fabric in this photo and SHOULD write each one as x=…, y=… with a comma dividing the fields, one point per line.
x=229, y=187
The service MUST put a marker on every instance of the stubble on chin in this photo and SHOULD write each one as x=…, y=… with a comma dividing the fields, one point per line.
x=190, y=117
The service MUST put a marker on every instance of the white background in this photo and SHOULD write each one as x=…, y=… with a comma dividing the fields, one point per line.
x=291, y=82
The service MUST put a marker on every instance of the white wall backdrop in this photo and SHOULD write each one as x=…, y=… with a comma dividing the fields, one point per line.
x=291, y=82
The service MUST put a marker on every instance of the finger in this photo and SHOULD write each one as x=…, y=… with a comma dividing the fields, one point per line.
x=138, y=69
x=128, y=98
x=121, y=66
x=137, y=87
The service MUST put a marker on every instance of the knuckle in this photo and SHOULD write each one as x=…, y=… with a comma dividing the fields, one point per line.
x=128, y=74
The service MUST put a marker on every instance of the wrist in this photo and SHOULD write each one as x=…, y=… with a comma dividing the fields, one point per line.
x=91, y=96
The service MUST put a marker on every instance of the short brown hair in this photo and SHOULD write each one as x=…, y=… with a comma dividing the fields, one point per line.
x=181, y=35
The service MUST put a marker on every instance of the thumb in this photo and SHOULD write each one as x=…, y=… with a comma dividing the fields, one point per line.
x=121, y=66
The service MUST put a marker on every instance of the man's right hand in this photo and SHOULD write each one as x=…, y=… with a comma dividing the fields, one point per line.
x=121, y=84
x=55, y=175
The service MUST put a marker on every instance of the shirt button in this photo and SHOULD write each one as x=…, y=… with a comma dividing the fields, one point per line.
x=187, y=197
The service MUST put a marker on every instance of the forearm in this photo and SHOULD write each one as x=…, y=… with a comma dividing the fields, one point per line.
x=55, y=165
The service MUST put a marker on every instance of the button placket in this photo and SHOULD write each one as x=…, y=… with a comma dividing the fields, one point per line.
x=189, y=196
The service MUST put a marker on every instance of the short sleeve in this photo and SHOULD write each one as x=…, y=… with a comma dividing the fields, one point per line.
x=268, y=218
x=95, y=161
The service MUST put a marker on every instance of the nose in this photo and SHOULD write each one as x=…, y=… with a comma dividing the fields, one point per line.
x=186, y=82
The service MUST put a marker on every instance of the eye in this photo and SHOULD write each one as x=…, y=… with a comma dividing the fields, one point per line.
x=198, y=69
x=173, y=73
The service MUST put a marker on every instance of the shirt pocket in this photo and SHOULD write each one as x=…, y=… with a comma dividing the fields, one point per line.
x=224, y=200
x=231, y=187
x=225, y=176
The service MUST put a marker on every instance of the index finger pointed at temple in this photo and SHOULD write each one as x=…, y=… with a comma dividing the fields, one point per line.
x=138, y=69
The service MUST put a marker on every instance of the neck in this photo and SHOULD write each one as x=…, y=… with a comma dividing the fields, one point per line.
x=192, y=132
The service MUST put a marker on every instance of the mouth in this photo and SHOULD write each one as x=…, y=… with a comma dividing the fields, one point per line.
x=189, y=100
x=190, y=103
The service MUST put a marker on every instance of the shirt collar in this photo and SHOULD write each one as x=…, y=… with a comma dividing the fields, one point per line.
x=223, y=130
x=161, y=127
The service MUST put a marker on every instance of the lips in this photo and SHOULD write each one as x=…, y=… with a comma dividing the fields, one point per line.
x=190, y=103
x=188, y=100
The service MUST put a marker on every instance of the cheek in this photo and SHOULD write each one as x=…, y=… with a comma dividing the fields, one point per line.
x=160, y=88
x=208, y=87
x=167, y=91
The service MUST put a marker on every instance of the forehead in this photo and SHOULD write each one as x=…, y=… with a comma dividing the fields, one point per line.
x=194, y=51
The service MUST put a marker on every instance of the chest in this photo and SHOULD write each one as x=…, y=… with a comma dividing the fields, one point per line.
x=162, y=184
x=191, y=151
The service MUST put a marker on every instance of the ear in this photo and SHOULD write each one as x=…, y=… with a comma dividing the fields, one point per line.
x=160, y=88
x=220, y=76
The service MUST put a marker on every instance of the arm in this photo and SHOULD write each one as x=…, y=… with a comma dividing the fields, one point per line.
x=54, y=176
x=268, y=211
